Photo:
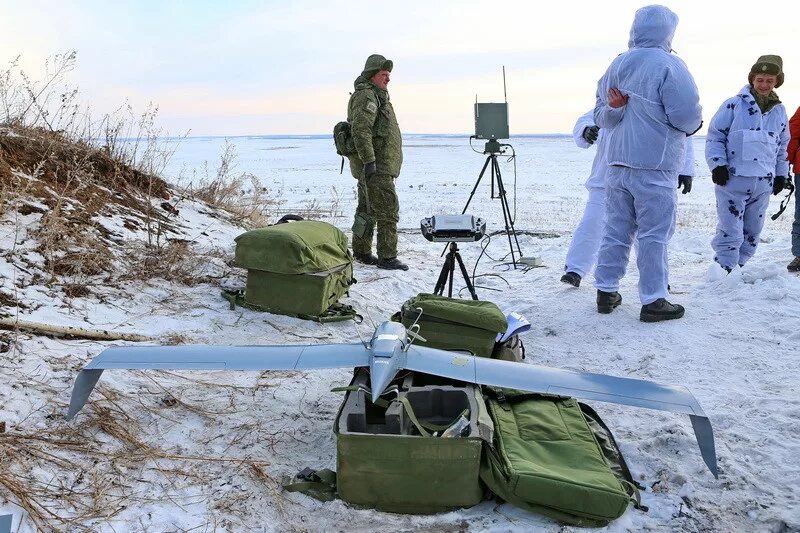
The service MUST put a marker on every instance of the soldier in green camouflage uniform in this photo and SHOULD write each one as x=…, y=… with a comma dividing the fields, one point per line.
x=377, y=140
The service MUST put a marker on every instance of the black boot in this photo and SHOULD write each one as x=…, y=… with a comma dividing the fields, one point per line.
x=607, y=301
x=660, y=310
x=367, y=258
x=572, y=278
x=392, y=263
x=794, y=266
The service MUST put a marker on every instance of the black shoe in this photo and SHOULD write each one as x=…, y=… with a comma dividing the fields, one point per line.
x=367, y=258
x=607, y=301
x=794, y=266
x=660, y=310
x=572, y=278
x=392, y=263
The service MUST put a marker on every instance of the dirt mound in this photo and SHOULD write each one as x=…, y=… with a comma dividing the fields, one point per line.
x=72, y=169
x=74, y=189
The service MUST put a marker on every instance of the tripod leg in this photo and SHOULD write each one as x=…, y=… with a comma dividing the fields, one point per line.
x=452, y=256
x=443, y=274
x=475, y=188
x=509, y=223
x=508, y=210
x=466, y=276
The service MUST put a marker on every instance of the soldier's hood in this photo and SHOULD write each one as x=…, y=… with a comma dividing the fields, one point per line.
x=653, y=27
x=362, y=83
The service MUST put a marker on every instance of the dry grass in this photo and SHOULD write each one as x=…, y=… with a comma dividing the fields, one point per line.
x=240, y=194
x=77, y=477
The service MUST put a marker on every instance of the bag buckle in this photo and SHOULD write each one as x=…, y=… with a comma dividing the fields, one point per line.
x=308, y=474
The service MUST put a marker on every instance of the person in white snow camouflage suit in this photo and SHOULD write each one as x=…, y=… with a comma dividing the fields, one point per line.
x=582, y=253
x=648, y=102
x=746, y=152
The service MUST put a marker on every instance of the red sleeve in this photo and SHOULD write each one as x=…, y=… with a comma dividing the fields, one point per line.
x=793, y=150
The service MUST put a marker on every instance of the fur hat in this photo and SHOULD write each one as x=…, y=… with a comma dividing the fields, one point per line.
x=374, y=64
x=768, y=64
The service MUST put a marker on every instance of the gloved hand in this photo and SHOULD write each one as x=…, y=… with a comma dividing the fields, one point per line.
x=778, y=184
x=590, y=134
x=369, y=169
x=686, y=182
x=720, y=175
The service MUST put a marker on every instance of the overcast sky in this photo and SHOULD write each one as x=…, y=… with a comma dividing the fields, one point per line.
x=246, y=67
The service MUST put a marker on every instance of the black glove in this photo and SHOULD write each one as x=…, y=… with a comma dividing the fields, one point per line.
x=720, y=175
x=686, y=182
x=369, y=169
x=590, y=134
x=778, y=184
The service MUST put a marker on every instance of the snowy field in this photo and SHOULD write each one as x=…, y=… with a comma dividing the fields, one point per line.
x=737, y=350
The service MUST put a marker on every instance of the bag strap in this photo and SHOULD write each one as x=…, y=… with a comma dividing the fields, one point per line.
x=319, y=484
x=288, y=218
x=366, y=390
x=427, y=428
x=785, y=201
x=624, y=475
x=337, y=312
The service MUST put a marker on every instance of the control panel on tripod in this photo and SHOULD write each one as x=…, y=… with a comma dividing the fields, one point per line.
x=449, y=228
x=453, y=229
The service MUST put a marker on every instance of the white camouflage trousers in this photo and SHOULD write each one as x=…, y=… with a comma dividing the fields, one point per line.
x=741, y=207
x=643, y=201
x=582, y=253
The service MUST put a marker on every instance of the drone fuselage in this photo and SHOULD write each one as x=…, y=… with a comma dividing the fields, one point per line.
x=387, y=348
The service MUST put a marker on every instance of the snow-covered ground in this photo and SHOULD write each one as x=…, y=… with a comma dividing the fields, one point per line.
x=202, y=451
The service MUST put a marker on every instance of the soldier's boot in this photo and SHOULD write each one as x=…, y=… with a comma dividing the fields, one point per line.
x=392, y=263
x=794, y=266
x=572, y=278
x=367, y=258
x=607, y=301
x=660, y=310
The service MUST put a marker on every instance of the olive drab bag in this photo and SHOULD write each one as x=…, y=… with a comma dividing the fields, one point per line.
x=299, y=268
x=343, y=139
x=554, y=456
x=454, y=324
x=397, y=456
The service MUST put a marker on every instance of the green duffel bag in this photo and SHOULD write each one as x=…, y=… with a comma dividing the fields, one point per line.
x=453, y=324
x=299, y=268
x=553, y=455
x=388, y=457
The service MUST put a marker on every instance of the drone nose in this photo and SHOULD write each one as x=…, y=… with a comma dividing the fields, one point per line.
x=381, y=375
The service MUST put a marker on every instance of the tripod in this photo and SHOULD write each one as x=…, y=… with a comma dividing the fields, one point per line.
x=493, y=148
x=446, y=274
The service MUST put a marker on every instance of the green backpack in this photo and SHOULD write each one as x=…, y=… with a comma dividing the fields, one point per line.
x=454, y=324
x=343, y=140
x=299, y=268
x=554, y=456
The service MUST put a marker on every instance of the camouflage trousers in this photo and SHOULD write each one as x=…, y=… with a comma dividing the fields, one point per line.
x=377, y=200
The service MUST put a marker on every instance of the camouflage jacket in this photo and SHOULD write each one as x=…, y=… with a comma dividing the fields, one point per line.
x=376, y=133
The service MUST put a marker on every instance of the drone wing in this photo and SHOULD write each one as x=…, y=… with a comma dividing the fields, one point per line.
x=214, y=358
x=584, y=385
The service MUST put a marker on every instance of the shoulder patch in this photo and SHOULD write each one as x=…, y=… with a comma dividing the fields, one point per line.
x=372, y=107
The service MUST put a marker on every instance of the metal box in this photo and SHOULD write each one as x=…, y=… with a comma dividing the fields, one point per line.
x=491, y=121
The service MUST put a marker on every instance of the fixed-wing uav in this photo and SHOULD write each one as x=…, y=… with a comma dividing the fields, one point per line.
x=390, y=350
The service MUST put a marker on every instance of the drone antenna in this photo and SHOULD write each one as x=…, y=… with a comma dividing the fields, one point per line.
x=355, y=325
x=369, y=316
x=505, y=96
x=413, y=330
